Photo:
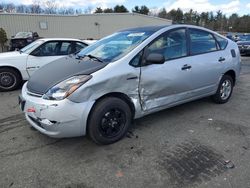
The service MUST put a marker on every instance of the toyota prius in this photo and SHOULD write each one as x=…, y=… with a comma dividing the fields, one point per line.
x=127, y=75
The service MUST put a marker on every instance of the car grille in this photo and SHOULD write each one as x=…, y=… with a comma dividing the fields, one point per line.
x=242, y=47
x=36, y=121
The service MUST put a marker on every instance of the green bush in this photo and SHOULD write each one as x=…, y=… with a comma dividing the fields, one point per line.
x=3, y=38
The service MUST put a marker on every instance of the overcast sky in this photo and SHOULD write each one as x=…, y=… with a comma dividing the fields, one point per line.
x=227, y=6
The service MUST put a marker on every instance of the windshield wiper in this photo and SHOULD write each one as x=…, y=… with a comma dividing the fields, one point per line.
x=90, y=57
x=94, y=57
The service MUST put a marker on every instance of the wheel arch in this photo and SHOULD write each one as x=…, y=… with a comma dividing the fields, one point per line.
x=232, y=74
x=13, y=68
x=119, y=95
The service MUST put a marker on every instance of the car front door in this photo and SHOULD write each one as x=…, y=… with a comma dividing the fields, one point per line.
x=163, y=85
x=46, y=53
x=207, y=61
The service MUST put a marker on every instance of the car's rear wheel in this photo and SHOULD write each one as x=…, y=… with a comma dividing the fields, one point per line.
x=9, y=79
x=224, y=90
x=109, y=120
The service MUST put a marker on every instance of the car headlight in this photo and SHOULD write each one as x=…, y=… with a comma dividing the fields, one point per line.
x=66, y=87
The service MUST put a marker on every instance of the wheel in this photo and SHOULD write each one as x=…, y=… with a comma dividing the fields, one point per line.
x=224, y=90
x=109, y=120
x=9, y=79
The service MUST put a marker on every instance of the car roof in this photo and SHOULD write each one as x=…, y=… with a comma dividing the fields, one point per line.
x=154, y=29
x=145, y=29
x=60, y=39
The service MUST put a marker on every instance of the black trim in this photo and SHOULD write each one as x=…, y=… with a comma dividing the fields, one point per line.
x=132, y=78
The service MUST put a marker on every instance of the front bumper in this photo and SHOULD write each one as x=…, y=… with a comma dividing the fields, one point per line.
x=55, y=118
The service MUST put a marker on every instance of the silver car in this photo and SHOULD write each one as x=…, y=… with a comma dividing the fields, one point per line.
x=127, y=75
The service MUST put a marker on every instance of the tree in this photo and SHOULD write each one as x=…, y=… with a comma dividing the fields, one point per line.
x=98, y=10
x=176, y=15
x=3, y=38
x=162, y=13
x=141, y=10
x=120, y=8
x=51, y=6
x=108, y=10
x=35, y=7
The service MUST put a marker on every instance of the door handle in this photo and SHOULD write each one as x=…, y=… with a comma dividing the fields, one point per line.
x=186, y=67
x=221, y=59
x=37, y=67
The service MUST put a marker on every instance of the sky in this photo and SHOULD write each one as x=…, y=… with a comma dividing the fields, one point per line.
x=227, y=6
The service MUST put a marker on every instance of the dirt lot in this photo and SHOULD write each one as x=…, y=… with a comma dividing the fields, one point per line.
x=185, y=146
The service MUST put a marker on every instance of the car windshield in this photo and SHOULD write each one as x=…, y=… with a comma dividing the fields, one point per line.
x=245, y=38
x=23, y=35
x=113, y=47
x=29, y=48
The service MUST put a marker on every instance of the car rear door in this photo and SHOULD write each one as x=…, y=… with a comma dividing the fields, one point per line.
x=163, y=85
x=207, y=62
x=46, y=53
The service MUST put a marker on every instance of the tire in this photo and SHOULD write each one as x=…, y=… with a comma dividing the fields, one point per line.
x=109, y=120
x=9, y=79
x=224, y=90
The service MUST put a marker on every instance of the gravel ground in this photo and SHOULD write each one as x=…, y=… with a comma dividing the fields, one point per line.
x=199, y=144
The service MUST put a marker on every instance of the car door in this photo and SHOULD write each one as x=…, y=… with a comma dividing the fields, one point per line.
x=46, y=53
x=163, y=85
x=207, y=62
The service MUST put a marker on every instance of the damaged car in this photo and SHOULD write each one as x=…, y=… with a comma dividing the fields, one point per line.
x=127, y=75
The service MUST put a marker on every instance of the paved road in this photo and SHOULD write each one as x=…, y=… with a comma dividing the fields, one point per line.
x=185, y=146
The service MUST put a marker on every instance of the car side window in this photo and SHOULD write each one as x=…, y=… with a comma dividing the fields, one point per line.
x=64, y=49
x=79, y=46
x=222, y=42
x=172, y=45
x=201, y=42
x=136, y=61
x=47, y=49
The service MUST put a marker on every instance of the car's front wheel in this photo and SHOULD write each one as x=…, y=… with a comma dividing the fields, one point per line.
x=224, y=90
x=109, y=120
x=9, y=79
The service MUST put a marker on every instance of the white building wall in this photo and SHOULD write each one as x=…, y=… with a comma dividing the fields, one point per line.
x=78, y=26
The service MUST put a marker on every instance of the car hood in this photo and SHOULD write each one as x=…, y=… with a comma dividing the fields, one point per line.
x=55, y=72
x=243, y=43
x=11, y=55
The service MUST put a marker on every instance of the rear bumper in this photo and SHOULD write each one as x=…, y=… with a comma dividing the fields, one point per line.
x=56, y=118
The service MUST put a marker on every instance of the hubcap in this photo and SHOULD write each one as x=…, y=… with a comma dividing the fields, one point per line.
x=112, y=123
x=7, y=80
x=226, y=89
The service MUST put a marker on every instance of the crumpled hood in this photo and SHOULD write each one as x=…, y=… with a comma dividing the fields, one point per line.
x=55, y=72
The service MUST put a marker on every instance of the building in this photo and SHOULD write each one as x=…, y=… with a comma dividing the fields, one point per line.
x=82, y=26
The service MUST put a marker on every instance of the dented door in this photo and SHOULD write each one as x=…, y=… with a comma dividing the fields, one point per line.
x=169, y=83
x=164, y=85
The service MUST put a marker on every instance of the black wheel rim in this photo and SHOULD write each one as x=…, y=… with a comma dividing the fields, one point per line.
x=7, y=80
x=112, y=123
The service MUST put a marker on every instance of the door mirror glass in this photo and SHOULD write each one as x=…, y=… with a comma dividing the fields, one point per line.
x=155, y=58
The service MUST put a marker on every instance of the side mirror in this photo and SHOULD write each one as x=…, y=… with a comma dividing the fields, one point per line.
x=155, y=58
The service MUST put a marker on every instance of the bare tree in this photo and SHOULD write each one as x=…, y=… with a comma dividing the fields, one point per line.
x=88, y=10
x=51, y=6
x=36, y=7
x=10, y=7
